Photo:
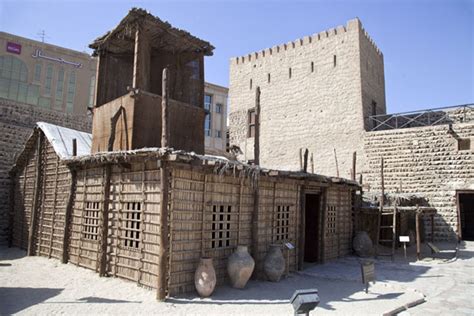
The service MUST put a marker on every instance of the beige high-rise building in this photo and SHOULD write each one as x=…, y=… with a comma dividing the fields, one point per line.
x=46, y=75
x=317, y=92
x=215, y=124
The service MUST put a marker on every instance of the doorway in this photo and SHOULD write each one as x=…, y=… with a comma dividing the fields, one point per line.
x=466, y=214
x=312, y=227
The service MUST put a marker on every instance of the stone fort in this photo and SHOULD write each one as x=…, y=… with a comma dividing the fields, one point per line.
x=316, y=92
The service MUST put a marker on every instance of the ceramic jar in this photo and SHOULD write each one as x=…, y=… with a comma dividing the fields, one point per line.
x=240, y=267
x=205, y=277
x=362, y=244
x=274, y=263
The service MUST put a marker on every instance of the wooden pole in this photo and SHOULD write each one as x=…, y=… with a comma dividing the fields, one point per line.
x=257, y=127
x=417, y=225
x=382, y=184
x=255, y=220
x=382, y=201
x=36, y=195
x=354, y=159
x=312, y=163
x=337, y=166
x=301, y=159
x=74, y=147
x=305, y=160
x=432, y=227
x=105, y=221
x=163, y=238
x=68, y=216
x=164, y=109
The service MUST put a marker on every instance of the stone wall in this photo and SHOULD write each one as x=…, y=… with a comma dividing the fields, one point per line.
x=314, y=94
x=16, y=124
x=423, y=160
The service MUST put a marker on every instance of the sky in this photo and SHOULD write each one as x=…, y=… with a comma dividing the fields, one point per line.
x=428, y=46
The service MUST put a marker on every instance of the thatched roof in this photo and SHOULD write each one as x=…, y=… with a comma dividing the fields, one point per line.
x=162, y=36
x=220, y=165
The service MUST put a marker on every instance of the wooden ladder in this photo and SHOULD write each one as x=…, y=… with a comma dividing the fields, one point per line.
x=392, y=227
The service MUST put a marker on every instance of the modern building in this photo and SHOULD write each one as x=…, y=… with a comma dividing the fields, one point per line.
x=317, y=92
x=215, y=125
x=46, y=75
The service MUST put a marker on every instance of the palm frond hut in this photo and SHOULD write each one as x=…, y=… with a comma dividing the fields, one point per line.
x=42, y=188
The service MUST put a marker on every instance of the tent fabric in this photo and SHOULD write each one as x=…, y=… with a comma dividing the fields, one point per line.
x=61, y=139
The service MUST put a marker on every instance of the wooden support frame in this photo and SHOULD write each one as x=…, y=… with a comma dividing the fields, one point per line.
x=105, y=221
x=141, y=60
x=257, y=127
x=36, y=196
x=163, y=239
x=68, y=217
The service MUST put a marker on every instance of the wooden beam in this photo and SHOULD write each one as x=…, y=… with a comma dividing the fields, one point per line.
x=105, y=221
x=68, y=216
x=36, y=195
x=337, y=165
x=255, y=220
x=164, y=109
x=257, y=127
x=312, y=163
x=301, y=244
x=354, y=158
x=418, y=237
x=305, y=160
x=141, y=61
x=163, y=238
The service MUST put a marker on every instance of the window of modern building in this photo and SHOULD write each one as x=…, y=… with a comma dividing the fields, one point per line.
x=251, y=123
x=49, y=80
x=218, y=108
x=13, y=79
x=71, y=91
x=60, y=89
x=218, y=134
x=37, y=77
x=208, y=118
x=91, y=92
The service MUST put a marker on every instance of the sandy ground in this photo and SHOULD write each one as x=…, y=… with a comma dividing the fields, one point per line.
x=41, y=286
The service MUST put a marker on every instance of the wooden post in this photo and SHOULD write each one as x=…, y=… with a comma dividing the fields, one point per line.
x=382, y=183
x=301, y=244
x=164, y=110
x=432, y=227
x=74, y=147
x=36, y=195
x=417, y=225
x=11, y=219
x=257, y=127
x=163, y=238
x=141, y=62
x=382, y=202
x=305, y=160
x=312, y=163
x=337, y=166
x=354, y=158
x=105, y=221
x=301, y=159
x=68, y=216
x=255, y=221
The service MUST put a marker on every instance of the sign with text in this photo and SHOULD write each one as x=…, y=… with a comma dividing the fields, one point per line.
x=404, y=238
x=14, y=48
x=368, y=273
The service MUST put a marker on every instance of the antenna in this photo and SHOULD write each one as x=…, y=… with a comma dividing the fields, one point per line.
x=42, y=34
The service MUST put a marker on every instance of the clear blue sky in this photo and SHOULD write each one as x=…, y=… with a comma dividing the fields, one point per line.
x=428, y=46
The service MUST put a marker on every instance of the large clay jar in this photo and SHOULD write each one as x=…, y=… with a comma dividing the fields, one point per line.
x=362, y=244
x=274, y=264
x=205, y=277
x=240, y=267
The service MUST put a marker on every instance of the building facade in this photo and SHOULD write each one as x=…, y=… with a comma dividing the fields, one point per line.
x=45, y=75
x=316, y=93
x=215, y=124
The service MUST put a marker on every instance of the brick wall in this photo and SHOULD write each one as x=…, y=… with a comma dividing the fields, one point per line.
x=16, y=123
x=424, y=160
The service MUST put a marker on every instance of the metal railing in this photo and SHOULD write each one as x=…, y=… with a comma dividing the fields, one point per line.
x=429, y=117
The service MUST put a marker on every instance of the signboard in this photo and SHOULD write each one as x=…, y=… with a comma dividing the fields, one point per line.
x=404, y=238
x=368, y=273
x=14, y=48
x=289, y=245
x=39, y=54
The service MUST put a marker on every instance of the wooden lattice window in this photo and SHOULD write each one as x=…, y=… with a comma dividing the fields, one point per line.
x=130, y=229
x=281, y=223
x=331, y=220
x=221, y=225
x=251, y=120
x=90, y=224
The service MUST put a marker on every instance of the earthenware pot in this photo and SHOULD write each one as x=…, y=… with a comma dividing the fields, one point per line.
x=274, y=263
x=362, y=244
x=205, y=277
x=240, y=267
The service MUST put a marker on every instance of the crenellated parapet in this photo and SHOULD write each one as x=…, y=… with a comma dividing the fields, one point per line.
x=353, y=25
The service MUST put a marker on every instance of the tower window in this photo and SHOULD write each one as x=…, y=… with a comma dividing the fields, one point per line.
x=268, y=78
x=250, y=84
x=312, y=66
x=334, y=59
x=289, y=72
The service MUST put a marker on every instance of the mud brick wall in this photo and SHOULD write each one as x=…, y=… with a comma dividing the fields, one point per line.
x=424, y=160
x=16, y=124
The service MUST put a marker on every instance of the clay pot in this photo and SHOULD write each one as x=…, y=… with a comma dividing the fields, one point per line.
x=205, y=277
x=240, y=267
x=362, y=244
x=274, y=263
